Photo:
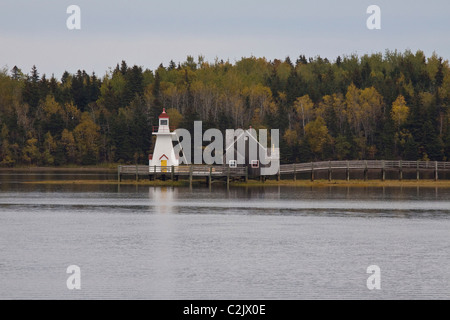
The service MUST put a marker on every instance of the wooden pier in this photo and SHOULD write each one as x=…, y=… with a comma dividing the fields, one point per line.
x=210, y=173
x=292, y=171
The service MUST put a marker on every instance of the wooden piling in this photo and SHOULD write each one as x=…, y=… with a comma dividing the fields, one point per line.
x=366, y=171
x=417, y=171
x=400, y=173
x=312, y=171
x=348, y=171
x=210, y=177
x=329, y=171
x=295, y=173
x=436, y=173
x=383, y=171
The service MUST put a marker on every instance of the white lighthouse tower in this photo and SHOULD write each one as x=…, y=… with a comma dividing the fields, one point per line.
x=163, y=153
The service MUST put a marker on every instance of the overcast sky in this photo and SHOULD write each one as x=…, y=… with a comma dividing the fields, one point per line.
x=147, y=33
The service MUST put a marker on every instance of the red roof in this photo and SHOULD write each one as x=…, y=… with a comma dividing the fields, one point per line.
x=164, y=114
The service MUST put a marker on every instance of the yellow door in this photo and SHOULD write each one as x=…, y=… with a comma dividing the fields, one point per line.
x=163, y=165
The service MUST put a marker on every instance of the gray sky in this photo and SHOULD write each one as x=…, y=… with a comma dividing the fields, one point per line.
x=148, y=33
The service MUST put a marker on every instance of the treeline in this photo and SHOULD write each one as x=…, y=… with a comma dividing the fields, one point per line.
x=380, y=106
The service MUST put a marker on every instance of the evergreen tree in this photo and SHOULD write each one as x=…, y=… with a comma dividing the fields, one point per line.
x=30, y=93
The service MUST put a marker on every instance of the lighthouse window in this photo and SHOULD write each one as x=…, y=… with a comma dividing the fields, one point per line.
x=163, y=123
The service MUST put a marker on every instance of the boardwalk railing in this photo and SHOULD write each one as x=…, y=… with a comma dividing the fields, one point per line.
x=191, y=170
x=197, y=170
x=362, y=164
x=286, y=169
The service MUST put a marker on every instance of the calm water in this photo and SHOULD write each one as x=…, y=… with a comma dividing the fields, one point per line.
x=258, y=243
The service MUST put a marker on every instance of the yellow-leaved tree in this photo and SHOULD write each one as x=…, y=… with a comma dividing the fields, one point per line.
x=399, y=112
x=175, y=117
x=304, y=108
x=87, y=135
x=317, y=135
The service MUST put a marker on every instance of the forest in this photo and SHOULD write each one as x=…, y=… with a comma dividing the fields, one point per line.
x=392, y=105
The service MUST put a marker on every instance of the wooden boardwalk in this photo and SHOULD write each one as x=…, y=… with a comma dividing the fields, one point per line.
x=190, y=172
x=226, y=173
x=365, y=166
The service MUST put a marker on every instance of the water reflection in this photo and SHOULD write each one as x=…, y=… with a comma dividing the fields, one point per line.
x=162, y=198
x=270, y=242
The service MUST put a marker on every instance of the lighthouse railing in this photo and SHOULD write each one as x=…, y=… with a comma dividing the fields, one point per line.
x=163, y=129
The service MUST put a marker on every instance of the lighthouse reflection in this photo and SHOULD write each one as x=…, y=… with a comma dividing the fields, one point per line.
x=162, y=199
x=164, y=231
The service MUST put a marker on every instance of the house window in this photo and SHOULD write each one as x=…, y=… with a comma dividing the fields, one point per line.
x=255, y=164
x=233, y=164
x=163, y=122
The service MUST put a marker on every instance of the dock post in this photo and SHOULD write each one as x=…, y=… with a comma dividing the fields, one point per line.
x=295, y=173
x=137, y=173
x=312, y=171
x=154, y=173
x=383, y=170
x=172, y=173
x=400, y=173
x=348, y=171
x=366, y=171
x=119, y=177
x=417, y=171
x=279, y=175
x=210, y=177
x=246, y=174
x=329, y=171
x=190, y=176
x=436, y=173
x=228, y=178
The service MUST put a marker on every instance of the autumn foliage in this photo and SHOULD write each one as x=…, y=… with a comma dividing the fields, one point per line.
x=379, y=106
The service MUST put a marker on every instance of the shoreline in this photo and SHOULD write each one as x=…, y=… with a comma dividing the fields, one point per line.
x=269, y=183
x=59, y=169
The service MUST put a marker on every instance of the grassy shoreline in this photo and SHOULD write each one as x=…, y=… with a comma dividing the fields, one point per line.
x=351, y=183
x=269, y=183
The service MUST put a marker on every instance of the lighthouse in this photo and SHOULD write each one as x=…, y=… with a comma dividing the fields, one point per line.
x=163, y=154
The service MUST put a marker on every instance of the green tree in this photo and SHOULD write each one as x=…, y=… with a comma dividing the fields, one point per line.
x=87, y=135
x=49, y=149
x=68, y=143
